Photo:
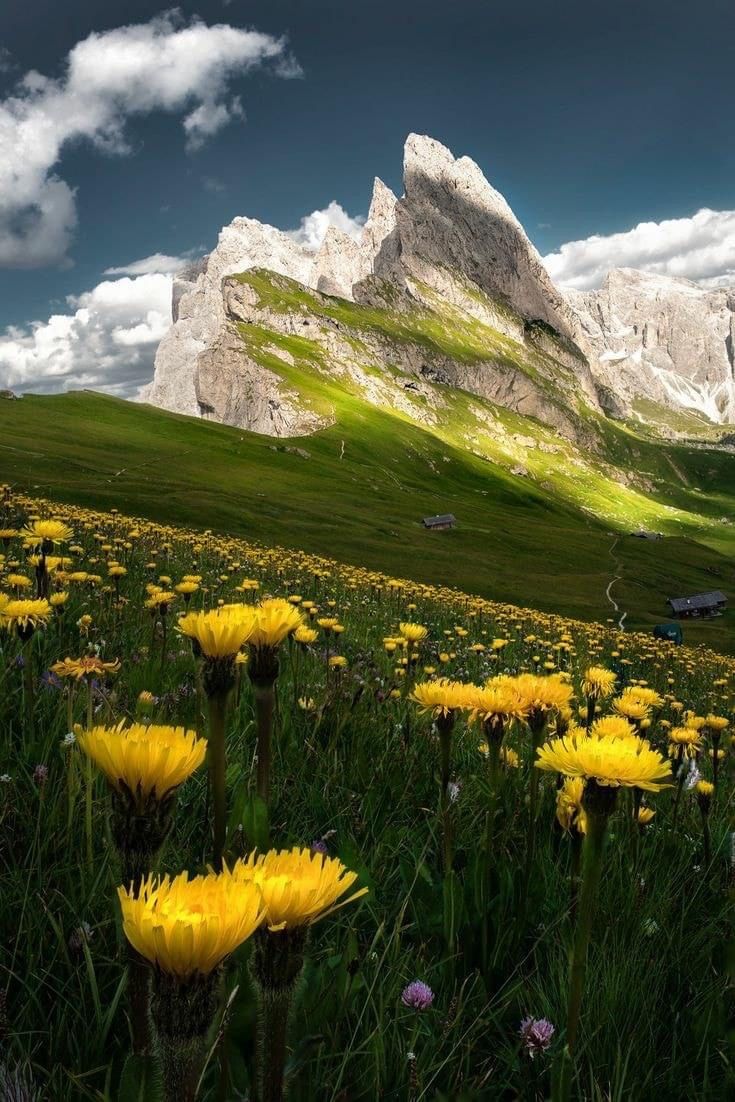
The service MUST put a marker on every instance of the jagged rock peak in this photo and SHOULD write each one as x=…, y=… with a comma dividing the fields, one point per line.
x=662, y=338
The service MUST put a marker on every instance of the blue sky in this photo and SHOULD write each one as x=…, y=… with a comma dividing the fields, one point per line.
x=589, y=118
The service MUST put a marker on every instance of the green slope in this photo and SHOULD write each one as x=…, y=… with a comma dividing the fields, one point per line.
x=370, y=478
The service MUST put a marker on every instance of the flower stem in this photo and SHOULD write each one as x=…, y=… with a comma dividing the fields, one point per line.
x=264, y=694
x=276, y=1009
x=596, y=803
x=217, y=772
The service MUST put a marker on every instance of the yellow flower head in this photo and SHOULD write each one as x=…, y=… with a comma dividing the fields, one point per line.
x=598, y=682
x=220, y=632
x=612, y=727
x=299, y=887
x=87, y=666
x=541, y=693
x=41, y=531
x=413, y=633
x=161, y=599
x=145, y=760
x=496, y=704
x=305, y=636
x=442, y=696
x=716, y=724
x=704, y=788
x=25, y=614
x=645, y=815
x=687, y=738
x=272, y=621
x=569, y=810
x=632, y=707
x=187, y=927
x=627, y=762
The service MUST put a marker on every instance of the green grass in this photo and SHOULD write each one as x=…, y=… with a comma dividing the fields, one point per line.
x=359, y=767
x=542, y=541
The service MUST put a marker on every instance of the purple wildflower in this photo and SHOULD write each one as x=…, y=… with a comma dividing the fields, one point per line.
x=50, y=681
x=417, y=995
x=319, y=846
x=536, y=1034
x=40, y=775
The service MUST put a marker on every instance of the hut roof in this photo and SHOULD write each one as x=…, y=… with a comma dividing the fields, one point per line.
x=699, y=600
x=442, y=518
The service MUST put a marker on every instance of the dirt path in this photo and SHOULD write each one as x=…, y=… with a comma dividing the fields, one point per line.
x=611, y=583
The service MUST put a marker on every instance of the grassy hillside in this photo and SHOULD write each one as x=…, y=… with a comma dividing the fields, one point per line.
x=357, y=491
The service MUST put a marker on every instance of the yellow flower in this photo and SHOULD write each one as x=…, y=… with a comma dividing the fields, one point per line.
x=569, y=810
x=338, y=662
x=687, y=738
x=704, y=788
x=496, y=704
x=186, y=588
x=187, y=927
x=612, y=727
x=442, y=696
x=161, y=599
x=42, y=531
x=541, y=694
x=145, y=760
x=627, y=762
x=645, y=815
x=598, y=682
x=18, y=581
x=58, y=600
x=220, y=632
x=413, y=633
x=716, y=723
x=632, y=707
x=87, y=666
x=25, y=614
x=272, y=621
x=299, y=887
x=305, y=636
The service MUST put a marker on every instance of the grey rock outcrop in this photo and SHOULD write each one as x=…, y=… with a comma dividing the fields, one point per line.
x=664, y=339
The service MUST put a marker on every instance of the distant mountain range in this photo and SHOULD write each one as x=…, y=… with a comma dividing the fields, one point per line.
x=442, y=288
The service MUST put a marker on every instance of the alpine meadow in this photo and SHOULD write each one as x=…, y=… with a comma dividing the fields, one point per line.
x=367, y=664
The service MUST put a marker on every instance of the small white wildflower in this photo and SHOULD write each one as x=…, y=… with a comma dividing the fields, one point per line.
x=69, y=739
x=5, y=778
x=693, y=776
x=453, y=790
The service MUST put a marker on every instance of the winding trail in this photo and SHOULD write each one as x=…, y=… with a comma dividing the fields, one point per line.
x=611, y=583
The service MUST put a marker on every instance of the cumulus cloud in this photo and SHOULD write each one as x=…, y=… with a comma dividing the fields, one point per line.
x=313, y=227
x=155, y=264
x=106, y=341
x=109, y=77
x=700, y=248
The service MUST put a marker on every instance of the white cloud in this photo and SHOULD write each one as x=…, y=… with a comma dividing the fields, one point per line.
x=107, y=340
x=163, y=65
x=700, y=248
x=314, y=226
x=157, y=263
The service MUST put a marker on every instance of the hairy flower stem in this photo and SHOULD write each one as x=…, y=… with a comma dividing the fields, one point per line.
x=715, y=758
x=598, y=802
x=538, y=727
x=276, y=1010
x=278, y=962
x=183, y=1011
x=681, y=778
x=706, y=838
x=139, y=999
x=28, y=690
x=265, y=700
x=218, y=772
x=444, y=726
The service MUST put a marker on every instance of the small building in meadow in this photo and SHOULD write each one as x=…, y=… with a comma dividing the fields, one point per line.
x=442, y=521
x=701, y=604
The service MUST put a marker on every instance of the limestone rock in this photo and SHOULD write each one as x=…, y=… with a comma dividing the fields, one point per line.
x=668, y=340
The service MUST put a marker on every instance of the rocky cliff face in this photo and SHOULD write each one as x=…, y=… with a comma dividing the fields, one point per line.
x=450, y=251
x=668, y=340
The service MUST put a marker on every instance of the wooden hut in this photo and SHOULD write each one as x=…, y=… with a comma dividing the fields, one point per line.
x=701, y=604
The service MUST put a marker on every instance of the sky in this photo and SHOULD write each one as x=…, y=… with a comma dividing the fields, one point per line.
x=130, y=133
